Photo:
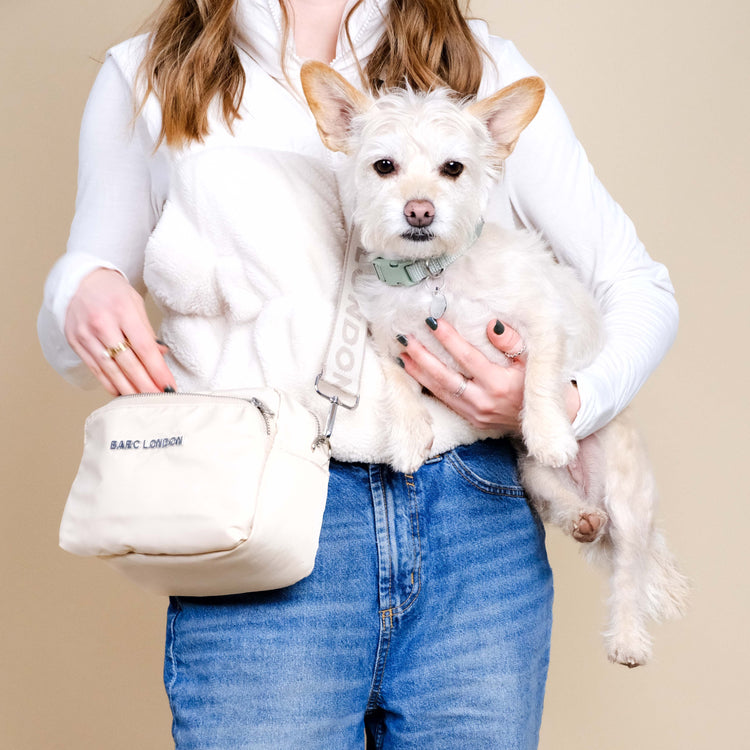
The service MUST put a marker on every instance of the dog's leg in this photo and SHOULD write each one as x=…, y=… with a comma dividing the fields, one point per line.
x=561, y=501
x=626, y=637
x=645, y=582
x=410, y=433
x=630, y=495
x=546, y=428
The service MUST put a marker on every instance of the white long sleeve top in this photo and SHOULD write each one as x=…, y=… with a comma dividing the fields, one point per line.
x=124, y=186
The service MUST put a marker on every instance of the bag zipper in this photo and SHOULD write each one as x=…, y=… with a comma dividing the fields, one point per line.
x=266, y=413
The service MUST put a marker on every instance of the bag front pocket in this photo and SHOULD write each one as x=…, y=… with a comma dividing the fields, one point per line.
x=168, y=474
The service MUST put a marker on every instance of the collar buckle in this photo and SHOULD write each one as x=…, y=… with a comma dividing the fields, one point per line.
x=394, y=272
x=411, y=272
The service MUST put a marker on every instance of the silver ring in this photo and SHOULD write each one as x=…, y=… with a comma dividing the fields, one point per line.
x=112, y=351
x=461, y=388
x=515, y=355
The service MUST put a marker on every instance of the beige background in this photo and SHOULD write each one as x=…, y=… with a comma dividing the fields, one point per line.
x=658, y=92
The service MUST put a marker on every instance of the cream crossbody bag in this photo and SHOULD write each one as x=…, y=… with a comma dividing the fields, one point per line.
x=203, y=494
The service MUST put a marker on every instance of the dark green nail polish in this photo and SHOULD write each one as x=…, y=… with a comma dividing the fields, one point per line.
x=169, y=389
x=400, y=362
x=402, y=339
x=498, y=328
x=160, y=342
x=432, y=323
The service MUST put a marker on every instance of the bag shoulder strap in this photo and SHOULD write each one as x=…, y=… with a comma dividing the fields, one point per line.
x=339, y=380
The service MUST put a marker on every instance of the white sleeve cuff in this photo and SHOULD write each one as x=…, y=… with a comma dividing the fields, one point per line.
x=597, y=405
x=62, y=283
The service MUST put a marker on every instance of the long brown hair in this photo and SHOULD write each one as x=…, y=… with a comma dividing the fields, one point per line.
x=192, y=59
x=427, y=44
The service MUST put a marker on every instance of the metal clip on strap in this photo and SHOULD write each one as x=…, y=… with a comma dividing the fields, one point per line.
x=335, y=402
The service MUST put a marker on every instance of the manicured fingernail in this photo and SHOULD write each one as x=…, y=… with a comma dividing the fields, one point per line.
x=162, y=343
x=432, y=323
x=169, y=389
x=400, y=362
x=498, y=328
x=402, y=339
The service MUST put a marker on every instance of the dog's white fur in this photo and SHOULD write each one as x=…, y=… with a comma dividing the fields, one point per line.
x=600, y=491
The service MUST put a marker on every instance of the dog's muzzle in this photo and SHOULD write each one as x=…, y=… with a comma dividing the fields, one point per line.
x=418, y=234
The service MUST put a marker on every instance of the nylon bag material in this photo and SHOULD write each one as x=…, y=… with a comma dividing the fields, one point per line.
x=200, y=494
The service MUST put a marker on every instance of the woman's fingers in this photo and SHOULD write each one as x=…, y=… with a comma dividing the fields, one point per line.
x=504, y=338
x=469, y=359
x=94, y=363
x=135, y=378
x=144, y=362
x=430, y=372
x=121, y=365
x=115, y=372
x=111, y=351
x=107, y=326
x=507, y=340
x=489, y=396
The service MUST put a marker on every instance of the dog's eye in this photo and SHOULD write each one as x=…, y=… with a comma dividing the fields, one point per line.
x=384, y=166
x=452, y=168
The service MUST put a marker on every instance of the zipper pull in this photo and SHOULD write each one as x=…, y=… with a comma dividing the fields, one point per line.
x=265, y=412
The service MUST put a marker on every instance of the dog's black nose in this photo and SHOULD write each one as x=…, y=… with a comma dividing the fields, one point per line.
x=419, y=213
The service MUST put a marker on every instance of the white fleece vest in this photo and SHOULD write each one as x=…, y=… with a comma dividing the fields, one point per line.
x=245, y=260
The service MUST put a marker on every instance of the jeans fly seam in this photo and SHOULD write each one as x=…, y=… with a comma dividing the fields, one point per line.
x=381, y=658
x=378, y=484
x=379, y=736
x=402, y=608
x=390, y=542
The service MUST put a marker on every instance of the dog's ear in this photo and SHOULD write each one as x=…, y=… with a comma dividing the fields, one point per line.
x=333, y=102
x=509, y=111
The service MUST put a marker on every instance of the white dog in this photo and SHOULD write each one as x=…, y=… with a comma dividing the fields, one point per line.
x=420, y=168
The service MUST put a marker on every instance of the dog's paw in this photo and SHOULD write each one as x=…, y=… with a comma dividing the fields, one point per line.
x=589, y=525
x=548, y=437
x=629, y=655
x=410, y=459
x=628, y=644
x=555, y=453
x=412, y=446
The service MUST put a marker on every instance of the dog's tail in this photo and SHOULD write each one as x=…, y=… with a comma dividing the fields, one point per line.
x=667, y=589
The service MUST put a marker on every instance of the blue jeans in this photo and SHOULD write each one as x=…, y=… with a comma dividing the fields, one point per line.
x=427, y=619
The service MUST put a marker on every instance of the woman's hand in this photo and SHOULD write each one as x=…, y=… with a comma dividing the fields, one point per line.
x=107, y=314
x=492, y=396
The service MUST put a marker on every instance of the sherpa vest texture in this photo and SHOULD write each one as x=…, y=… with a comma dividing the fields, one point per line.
x=246, y=258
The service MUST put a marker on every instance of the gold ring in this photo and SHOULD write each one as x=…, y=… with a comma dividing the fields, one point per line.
x=113, y=351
